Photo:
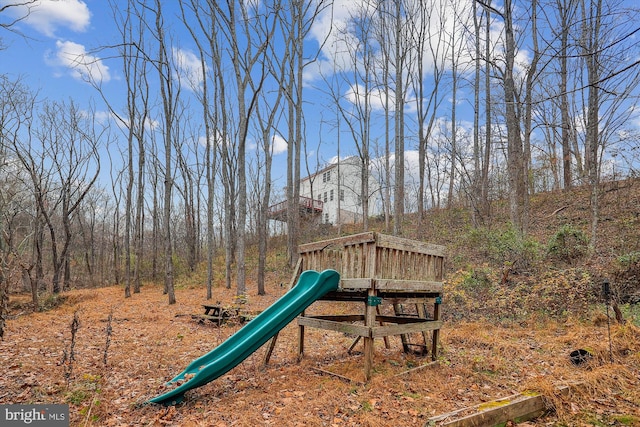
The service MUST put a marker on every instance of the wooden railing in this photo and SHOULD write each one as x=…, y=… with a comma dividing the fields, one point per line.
x=306, y=204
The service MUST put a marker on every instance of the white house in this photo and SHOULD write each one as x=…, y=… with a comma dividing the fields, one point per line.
x=333, y=193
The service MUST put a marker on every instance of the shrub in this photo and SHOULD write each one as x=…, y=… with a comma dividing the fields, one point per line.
x=568, y=244
x=626, y=278
x=506, y=247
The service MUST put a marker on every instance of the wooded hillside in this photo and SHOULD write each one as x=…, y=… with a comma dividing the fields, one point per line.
x=514, y=309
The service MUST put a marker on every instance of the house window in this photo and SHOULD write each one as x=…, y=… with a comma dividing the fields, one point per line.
x=331, y=195
x=342, y=195
x=325, y=197
x=326, y=176
x=326, y=218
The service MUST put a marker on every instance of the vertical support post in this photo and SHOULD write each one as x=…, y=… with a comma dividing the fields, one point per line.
x=387, y=345
x=397, y=309
x=301, y=340
x=421, y=309
x=436, y=332
x=369, y=321
x=272, y=343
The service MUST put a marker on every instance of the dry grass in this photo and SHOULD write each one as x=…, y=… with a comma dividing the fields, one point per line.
x=152, y=341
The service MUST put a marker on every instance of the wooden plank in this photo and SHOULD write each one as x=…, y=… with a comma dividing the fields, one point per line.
x=339, y=241
x=401, y=319
x=296, y=273
x=346, y=295
x=356, y=283
x=409, y=299
x=428, y=286
x=402, y=244
x=383, y=331
x=517, y=408
x=339, y=317
x=347, y=328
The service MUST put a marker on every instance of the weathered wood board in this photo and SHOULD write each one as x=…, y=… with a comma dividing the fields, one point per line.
x=517, y=408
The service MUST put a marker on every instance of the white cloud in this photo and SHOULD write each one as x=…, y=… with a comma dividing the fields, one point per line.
x=328, y=30
x=81, y=65
x=123, y=122
x=356, y=95
x=102, y=116
x=189, y=66
x=46, y=16
x=334, y=30
x=279, y=145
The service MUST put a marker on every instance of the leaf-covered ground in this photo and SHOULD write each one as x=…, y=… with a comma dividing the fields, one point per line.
x=150, y=342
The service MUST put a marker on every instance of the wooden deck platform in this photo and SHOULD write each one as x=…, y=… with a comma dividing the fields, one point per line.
x=378, y=270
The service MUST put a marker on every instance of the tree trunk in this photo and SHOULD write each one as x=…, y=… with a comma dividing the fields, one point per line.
x=515, y=154
x=592, y=23
x=167, y=97
x=566, y=125
x=398, y=203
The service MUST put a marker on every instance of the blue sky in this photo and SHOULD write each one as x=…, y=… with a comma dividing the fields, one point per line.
x=43, y=50
x=40, y=51
x=44, y=47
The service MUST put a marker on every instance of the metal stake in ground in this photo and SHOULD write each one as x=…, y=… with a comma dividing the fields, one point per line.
x=607, y=295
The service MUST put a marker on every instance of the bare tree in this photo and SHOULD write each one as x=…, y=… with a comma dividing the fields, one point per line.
x=456, y=48
x=267, y=127
x=298, y=18
x=566, y=10
x=134, y=120
x=238, y=22
x=355, y=103
x=478, y=199
x=426, y=30
x=399, y=92
x=116, y=176
x=515, y=151
x=16, y=117
x=169, y=97
x=69, y=144
x=484, y=180
x=9, y=19
x=187, y=185
x=208, y=47
x=610, y=80
x=384, y=37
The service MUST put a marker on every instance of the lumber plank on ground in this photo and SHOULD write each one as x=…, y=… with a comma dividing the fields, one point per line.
x=517, y=408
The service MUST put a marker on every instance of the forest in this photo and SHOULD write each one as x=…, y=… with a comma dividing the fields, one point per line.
x=507, y=133
x=513, y=313
x=159, y=178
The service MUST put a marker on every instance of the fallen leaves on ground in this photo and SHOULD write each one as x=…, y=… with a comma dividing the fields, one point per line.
x=150, y=342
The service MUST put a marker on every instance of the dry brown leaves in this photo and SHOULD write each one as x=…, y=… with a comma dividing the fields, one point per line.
x=152, y=341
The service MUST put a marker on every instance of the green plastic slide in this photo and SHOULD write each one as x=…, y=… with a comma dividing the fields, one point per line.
x=310, y=287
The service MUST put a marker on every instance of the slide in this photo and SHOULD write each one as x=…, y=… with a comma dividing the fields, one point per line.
x=310, y=287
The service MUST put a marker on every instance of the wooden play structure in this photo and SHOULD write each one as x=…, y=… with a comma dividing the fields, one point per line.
x=383, y=274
